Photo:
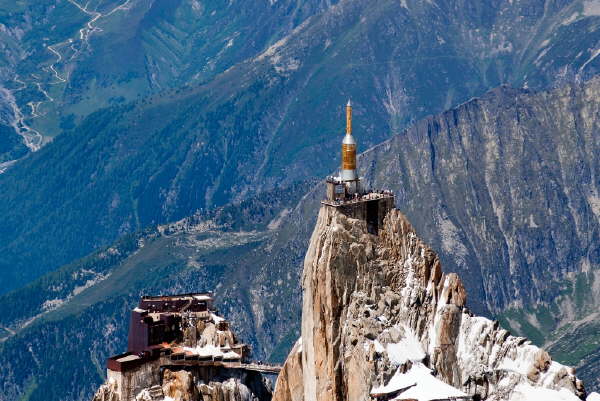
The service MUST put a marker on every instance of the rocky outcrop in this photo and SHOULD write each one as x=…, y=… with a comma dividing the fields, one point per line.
x=107, y=392
x=290, y=381
x=219, y=376
x=179, y=385
x=185, y=386
x=217, y=384
x=375, y=306
x=205, y=333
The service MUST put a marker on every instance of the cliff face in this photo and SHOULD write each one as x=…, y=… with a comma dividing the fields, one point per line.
x=530, y=238
x=506, y=188
x=377, y=306
x=182, y=385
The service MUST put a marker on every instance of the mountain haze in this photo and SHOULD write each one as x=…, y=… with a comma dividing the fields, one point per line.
x=65, y=59
x=265, y=239
x=255, y=124
x=183, y=140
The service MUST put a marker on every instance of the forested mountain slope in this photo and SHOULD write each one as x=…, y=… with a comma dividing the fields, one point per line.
x=78, y=315
x=533, y=268
x=257, y=123
x=64, y=59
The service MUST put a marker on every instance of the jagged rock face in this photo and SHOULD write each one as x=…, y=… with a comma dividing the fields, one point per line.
x=365, y=295
x=289, y=381
x=506, y=188
x=230, y=390
x=179, y=385
x=200, y=333
x=107, y=392
x=218, y=384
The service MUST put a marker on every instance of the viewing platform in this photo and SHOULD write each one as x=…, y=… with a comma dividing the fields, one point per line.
x=256, y=367
x=372, y=207
x=166, y=357
x=358, y=198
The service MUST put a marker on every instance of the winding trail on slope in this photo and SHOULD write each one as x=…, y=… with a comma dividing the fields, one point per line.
x=32, y=138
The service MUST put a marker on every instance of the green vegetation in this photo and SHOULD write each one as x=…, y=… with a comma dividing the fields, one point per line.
x=11, y=145
x=189, y=126
x=96, y=294
x=537, y=324
x=171, y=111
x=29, y=390
x=281, y=350
x=569, y=342
x=92, y=324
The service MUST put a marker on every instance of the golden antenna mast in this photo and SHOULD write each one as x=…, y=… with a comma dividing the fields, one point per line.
x=349, y=118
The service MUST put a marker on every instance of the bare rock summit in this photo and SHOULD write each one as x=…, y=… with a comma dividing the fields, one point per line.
x=381, y=320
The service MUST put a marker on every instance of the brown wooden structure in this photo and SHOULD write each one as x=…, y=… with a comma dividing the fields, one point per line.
x=371, y=207
x=157, y=319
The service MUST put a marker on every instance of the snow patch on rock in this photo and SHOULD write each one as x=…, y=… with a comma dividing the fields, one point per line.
x=526, y=392
x=591, y=8
x=419, y=384
x=408, y=349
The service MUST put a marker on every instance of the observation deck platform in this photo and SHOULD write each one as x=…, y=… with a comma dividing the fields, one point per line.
x=372, y=207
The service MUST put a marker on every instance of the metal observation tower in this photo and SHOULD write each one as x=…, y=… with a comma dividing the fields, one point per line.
x=345, y=192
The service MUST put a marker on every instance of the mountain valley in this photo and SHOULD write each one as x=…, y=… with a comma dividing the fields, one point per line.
x=205, y=144
x=265, y=238
x=186, y=148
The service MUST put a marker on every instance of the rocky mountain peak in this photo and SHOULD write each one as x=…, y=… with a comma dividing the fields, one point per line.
x=380, y=316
